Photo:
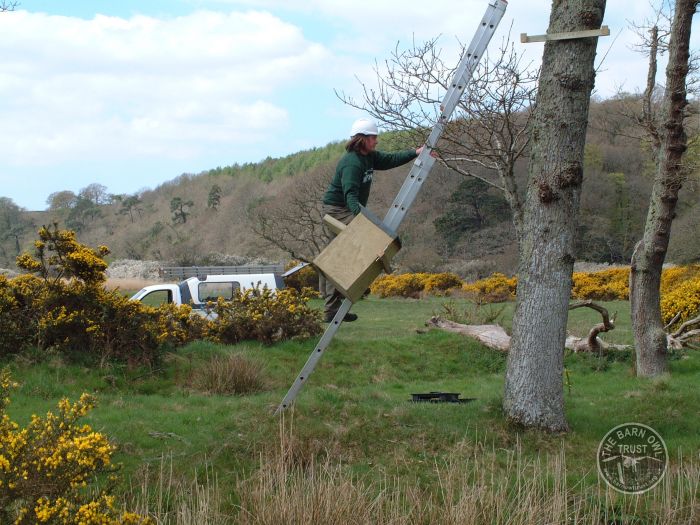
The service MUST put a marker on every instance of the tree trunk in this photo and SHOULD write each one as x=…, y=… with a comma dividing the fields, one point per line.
x=650, y=253
x=534, y=395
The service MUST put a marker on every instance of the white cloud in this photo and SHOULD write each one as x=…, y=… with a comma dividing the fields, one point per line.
x=153, y=96
x=373, y=28
x=143, y=86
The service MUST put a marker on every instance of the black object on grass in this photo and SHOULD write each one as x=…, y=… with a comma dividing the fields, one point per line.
x=440, y=397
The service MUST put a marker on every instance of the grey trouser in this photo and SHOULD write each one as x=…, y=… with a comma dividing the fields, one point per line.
x=333, y=299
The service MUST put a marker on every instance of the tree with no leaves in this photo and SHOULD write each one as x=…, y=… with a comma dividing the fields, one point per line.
x=534, y=390
x=488, y=133
x=8, y=6
x=293, y=220
x=95, y=193
x=669, y=143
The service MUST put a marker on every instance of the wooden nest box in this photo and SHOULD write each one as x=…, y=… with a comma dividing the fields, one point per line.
x=359, y=253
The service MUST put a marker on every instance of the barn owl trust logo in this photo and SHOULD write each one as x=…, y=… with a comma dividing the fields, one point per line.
x=632, y=458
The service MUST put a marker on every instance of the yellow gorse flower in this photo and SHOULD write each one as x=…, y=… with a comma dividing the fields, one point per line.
x=54, y=455
x=413, y=284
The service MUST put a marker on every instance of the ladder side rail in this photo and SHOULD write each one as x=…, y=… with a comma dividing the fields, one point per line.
x=470, y=60
x=419, y=172
x=465, y=70
x=315, y=356
x=474, y=52
x=409, y=190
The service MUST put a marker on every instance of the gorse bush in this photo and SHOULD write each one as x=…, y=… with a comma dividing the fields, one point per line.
x=64, y=307
x=605, y=285
x=496, y=288
x=683, y=299
x=680, y=288
x=48, y=468
x=674, y=276
x=413, y=284
x=680, y=293
x=304, y=278
x=265, y=315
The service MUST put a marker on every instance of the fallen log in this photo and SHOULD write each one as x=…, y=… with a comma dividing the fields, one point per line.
x=491, y=335
x=494, y=336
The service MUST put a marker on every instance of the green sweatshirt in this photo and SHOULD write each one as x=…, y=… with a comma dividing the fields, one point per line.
x=353, y=176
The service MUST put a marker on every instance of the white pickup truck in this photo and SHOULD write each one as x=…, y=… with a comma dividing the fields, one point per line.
x=197, y=291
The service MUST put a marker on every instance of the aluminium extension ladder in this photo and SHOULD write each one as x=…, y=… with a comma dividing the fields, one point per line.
x=416, y=177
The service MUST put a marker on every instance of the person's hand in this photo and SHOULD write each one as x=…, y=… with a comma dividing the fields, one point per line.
x=433, y=153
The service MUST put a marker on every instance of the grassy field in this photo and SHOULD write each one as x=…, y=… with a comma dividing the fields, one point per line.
x=354, y=449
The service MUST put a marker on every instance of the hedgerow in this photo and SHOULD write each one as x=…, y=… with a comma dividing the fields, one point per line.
x=48, y=468
x=413, y=284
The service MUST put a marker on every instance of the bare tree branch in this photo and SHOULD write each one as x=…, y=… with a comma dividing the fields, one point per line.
x=690, y=323
x=8, y=6
x=490, y=124
x=293, y=220
x=591, y=343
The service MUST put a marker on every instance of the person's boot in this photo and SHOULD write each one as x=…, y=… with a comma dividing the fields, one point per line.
x=349, y=317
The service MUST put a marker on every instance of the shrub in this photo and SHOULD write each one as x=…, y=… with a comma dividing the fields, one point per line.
x=48, y=468
x=413, y=284
x=304, y=278
x=65, y=307
x=15, y=315
x=680, y=289
x=684, y=298
x=230, y=374
x=403, y=285
x=605, y=285
x=674, y=276
x=438, y=283
x=496, y=288
x=266, y=316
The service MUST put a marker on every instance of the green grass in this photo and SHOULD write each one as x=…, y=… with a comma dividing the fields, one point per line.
x=356, y=405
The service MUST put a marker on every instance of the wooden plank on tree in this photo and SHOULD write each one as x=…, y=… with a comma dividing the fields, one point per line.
x=603, y=31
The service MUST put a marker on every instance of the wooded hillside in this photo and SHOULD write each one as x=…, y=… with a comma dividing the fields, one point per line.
x=456, y=224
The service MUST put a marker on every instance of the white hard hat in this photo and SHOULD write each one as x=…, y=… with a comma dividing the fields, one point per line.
x=364, y=126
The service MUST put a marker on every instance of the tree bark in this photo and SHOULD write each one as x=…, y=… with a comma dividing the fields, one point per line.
x=649, y=254
x=534, y=395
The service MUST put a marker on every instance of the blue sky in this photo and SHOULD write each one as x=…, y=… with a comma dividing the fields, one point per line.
x=130, y=94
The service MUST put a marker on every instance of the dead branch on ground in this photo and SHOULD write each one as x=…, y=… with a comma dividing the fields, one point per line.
x=494, y=336
x=682, y=337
